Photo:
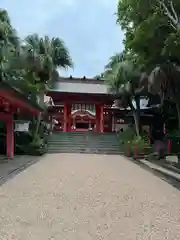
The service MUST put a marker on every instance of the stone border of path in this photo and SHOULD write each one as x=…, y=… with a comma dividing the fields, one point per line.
x=161, y=172
x=161, y=169
x=11, y=167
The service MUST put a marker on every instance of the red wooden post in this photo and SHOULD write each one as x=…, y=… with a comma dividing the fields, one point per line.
x=110, y=122
x=69, y=118
x=97, y=118
x=169, y=146
x=101, y=108
x=10, y=138
x=65, y=117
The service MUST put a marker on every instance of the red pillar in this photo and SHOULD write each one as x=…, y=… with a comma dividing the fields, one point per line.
x=10, y=138
x=97, y=118
x=101, y=108
x=65, y=129
x=69, y=118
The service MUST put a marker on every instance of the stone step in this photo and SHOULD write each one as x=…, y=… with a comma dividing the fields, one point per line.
x=90, y=138
x=98, y=143
x=81, y=147
x=76, y=140
x=84, y=143
x=83, y=139
x=85, y=151
x=83, y=134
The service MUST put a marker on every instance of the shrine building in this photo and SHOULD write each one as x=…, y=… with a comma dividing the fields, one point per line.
x=83, y=104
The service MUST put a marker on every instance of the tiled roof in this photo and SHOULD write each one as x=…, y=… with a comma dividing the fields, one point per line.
x=77, y=85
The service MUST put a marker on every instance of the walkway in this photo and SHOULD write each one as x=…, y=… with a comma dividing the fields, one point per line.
x=83, y=197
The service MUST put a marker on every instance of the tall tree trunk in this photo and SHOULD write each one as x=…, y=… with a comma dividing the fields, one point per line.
x=135, y=116
x=137, y=100
x=136, y=121
x=39, y=118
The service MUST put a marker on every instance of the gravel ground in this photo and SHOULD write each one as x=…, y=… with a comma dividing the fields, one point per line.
x=76, y=196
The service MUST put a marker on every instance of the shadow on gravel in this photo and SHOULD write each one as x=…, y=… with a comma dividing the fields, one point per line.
x=165, y=177
x=10, y=168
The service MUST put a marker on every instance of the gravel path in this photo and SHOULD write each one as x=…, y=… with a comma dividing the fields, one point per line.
x=82, y=197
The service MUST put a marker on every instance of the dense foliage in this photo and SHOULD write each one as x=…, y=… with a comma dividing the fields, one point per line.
x=30, y=65
x=150, y=62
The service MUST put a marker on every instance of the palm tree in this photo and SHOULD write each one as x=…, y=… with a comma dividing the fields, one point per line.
x=123, y=79
x=41, y=57
x=100, y=76
x=111, y=67
x=44, y=56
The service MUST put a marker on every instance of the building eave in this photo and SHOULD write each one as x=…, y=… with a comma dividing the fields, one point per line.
x=18, y=99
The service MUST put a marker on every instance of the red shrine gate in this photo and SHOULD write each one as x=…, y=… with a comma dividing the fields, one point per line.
x=69, y=92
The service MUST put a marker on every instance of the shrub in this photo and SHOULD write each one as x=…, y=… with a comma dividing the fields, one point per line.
x=142, y=144
x=127, y=135
x=24, y=144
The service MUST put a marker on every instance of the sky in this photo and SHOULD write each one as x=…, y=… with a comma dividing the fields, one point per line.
x=88, y=28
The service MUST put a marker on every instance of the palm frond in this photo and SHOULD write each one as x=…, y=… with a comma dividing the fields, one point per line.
x=114, y=60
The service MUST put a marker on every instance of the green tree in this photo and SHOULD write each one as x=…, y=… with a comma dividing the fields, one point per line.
x=10, y=49
x=100, y=76
x=42, y=57
x=148, y=31
x=152, y=34
x=123, y=77
x=9, y=44
x=171, y=13
x=31, y=65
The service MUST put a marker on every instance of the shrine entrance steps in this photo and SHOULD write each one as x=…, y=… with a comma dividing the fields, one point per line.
x=84, y=142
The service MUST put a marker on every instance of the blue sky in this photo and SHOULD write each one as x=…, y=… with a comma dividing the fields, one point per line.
x=88, y=28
